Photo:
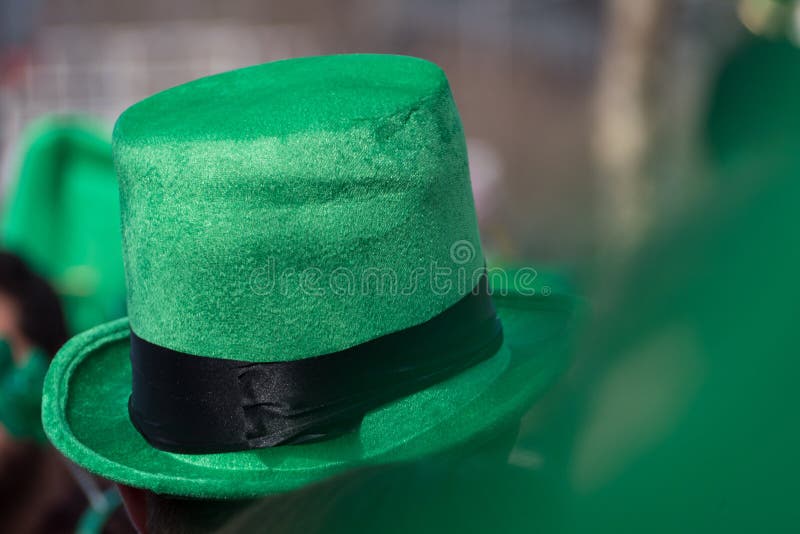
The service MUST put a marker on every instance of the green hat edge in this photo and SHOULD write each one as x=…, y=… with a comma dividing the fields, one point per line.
x=509, y=395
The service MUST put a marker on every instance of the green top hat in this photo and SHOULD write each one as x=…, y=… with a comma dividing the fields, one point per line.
x=61, y=217
x=304, y=270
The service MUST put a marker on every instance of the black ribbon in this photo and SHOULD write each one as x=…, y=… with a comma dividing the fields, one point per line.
x=193, y=404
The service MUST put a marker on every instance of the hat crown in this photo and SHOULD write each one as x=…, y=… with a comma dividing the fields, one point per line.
x=295, y=208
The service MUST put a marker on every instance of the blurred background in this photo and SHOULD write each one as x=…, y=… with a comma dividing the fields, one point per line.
x=578, y=142
x=633, y=146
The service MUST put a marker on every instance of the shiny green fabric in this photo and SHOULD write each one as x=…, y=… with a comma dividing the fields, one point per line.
x=352, y=164
x=61, y=216
x=21, y=394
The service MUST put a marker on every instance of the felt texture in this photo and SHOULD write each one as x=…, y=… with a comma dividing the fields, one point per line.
x=348, y=165
x=86, y=394
x=62, y=217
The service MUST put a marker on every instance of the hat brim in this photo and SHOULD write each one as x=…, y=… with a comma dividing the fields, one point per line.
x=85, y=412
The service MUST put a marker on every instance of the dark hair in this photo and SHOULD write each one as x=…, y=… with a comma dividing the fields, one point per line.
x=40, y=316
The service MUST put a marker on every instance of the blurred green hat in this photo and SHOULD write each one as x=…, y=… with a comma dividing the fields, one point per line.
x=753, y=111
x=306, y=287
x=62, y=217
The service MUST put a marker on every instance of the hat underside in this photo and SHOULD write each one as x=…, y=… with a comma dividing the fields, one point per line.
x=86, y=416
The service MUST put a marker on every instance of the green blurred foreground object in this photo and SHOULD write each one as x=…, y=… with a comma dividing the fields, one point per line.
x=755, y=114
x=21, y=394
x=478, y=494
x=690, y=421
x=263, y=210
x=62, y=217
x=687, y=418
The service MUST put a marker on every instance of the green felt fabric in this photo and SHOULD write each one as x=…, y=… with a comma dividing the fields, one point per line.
x=21, y=394
x=86, y=394
x=62, y=217
x=354, y=166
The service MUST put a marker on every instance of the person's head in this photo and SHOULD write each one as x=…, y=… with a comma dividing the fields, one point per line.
x=31, y=331
x=30, y=310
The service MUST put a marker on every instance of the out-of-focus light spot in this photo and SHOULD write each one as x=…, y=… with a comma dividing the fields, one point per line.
x=486, y=172
x=768, y=18
x=795, y=31
x=638, y=404
x=78, y=281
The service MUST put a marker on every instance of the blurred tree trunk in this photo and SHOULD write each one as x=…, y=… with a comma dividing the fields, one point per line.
x=657, y=62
